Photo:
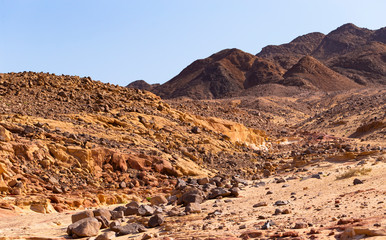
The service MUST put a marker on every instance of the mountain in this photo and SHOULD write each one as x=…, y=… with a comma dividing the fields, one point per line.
x=287, y=55
x=143, y=85
x=310, y=72
x=222, y=74
x=347, y=57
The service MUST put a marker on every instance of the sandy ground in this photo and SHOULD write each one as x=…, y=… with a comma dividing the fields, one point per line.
x=320, y=203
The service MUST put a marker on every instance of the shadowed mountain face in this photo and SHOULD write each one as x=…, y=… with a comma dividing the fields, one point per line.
x=348, y=57
x=287, y=55
x=309, y=72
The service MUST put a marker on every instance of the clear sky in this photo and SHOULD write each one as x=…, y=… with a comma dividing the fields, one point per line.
x=119, y=41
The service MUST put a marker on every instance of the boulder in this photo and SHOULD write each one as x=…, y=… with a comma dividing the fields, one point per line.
x=146, y=210
x=156, y=220
x=86, y=227
x=81, y=215
x=193, y=208
x=103, y=212
x=158, y=200
x=130, y=228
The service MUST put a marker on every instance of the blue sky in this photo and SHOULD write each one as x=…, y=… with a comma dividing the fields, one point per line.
x=119, y=41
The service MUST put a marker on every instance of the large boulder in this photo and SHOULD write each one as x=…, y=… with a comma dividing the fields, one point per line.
x=86, y=227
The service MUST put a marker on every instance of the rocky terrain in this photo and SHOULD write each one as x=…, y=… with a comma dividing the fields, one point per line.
x=288, y=144
x=348, y=57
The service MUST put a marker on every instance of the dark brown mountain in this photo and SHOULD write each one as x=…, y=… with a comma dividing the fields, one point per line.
x=342, y=40
x=220, y=75
x=343, y=59
x=311, y=73
x=143, y=85
x=287, y=55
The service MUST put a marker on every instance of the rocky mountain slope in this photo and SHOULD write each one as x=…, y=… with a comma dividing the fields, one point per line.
x=75, y=136
x=350, y=57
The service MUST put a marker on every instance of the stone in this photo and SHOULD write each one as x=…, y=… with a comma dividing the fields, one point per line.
x=114, y=224
x=5, y=135
x=286, y=211
x=103, y=212
x=146, y=210
x=120, y=209
x=106, y=236
x=192, y=196
x=277, y=211
x=235, y=191
x=219, y=192
x=193, y=208
x=86, y=227
x=57, y=189
x=203, y=181
x=158, y=200
x=357, y=181
x=300, y=225
x=131, y=210
x=174, y=212
x=156, y=220
x=116, y=215
x=130, y=228
x=281, y=203
x=133, y=204
x=196, y=130
x=260, y=204
x=103, y=221
x=181, y=184
x=251, y=234
x=81, y=215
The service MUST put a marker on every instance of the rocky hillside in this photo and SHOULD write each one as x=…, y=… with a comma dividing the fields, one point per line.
x=75, y=137
x=348, y=57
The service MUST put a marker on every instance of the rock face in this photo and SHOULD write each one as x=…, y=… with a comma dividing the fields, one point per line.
x=346, y=55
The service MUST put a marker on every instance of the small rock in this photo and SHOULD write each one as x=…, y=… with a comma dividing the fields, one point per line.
x=146, y=210
x=203, y=181
x=130, y=228
x=300, y=225
x=158, y=200
x=269, y=192
x=106, y=236
x=131, y=210
x=116, y=215
x=235, y=191
x=286, y=211
x=281, y=203
x=260, y=204
x=103, y=221
x=196, y=130
x=114, y=224
x=156, y=220
x=357, y=181
x=277, y=211
x=193, y=208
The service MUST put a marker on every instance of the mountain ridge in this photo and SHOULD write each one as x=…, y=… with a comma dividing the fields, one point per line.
x=357, y=55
